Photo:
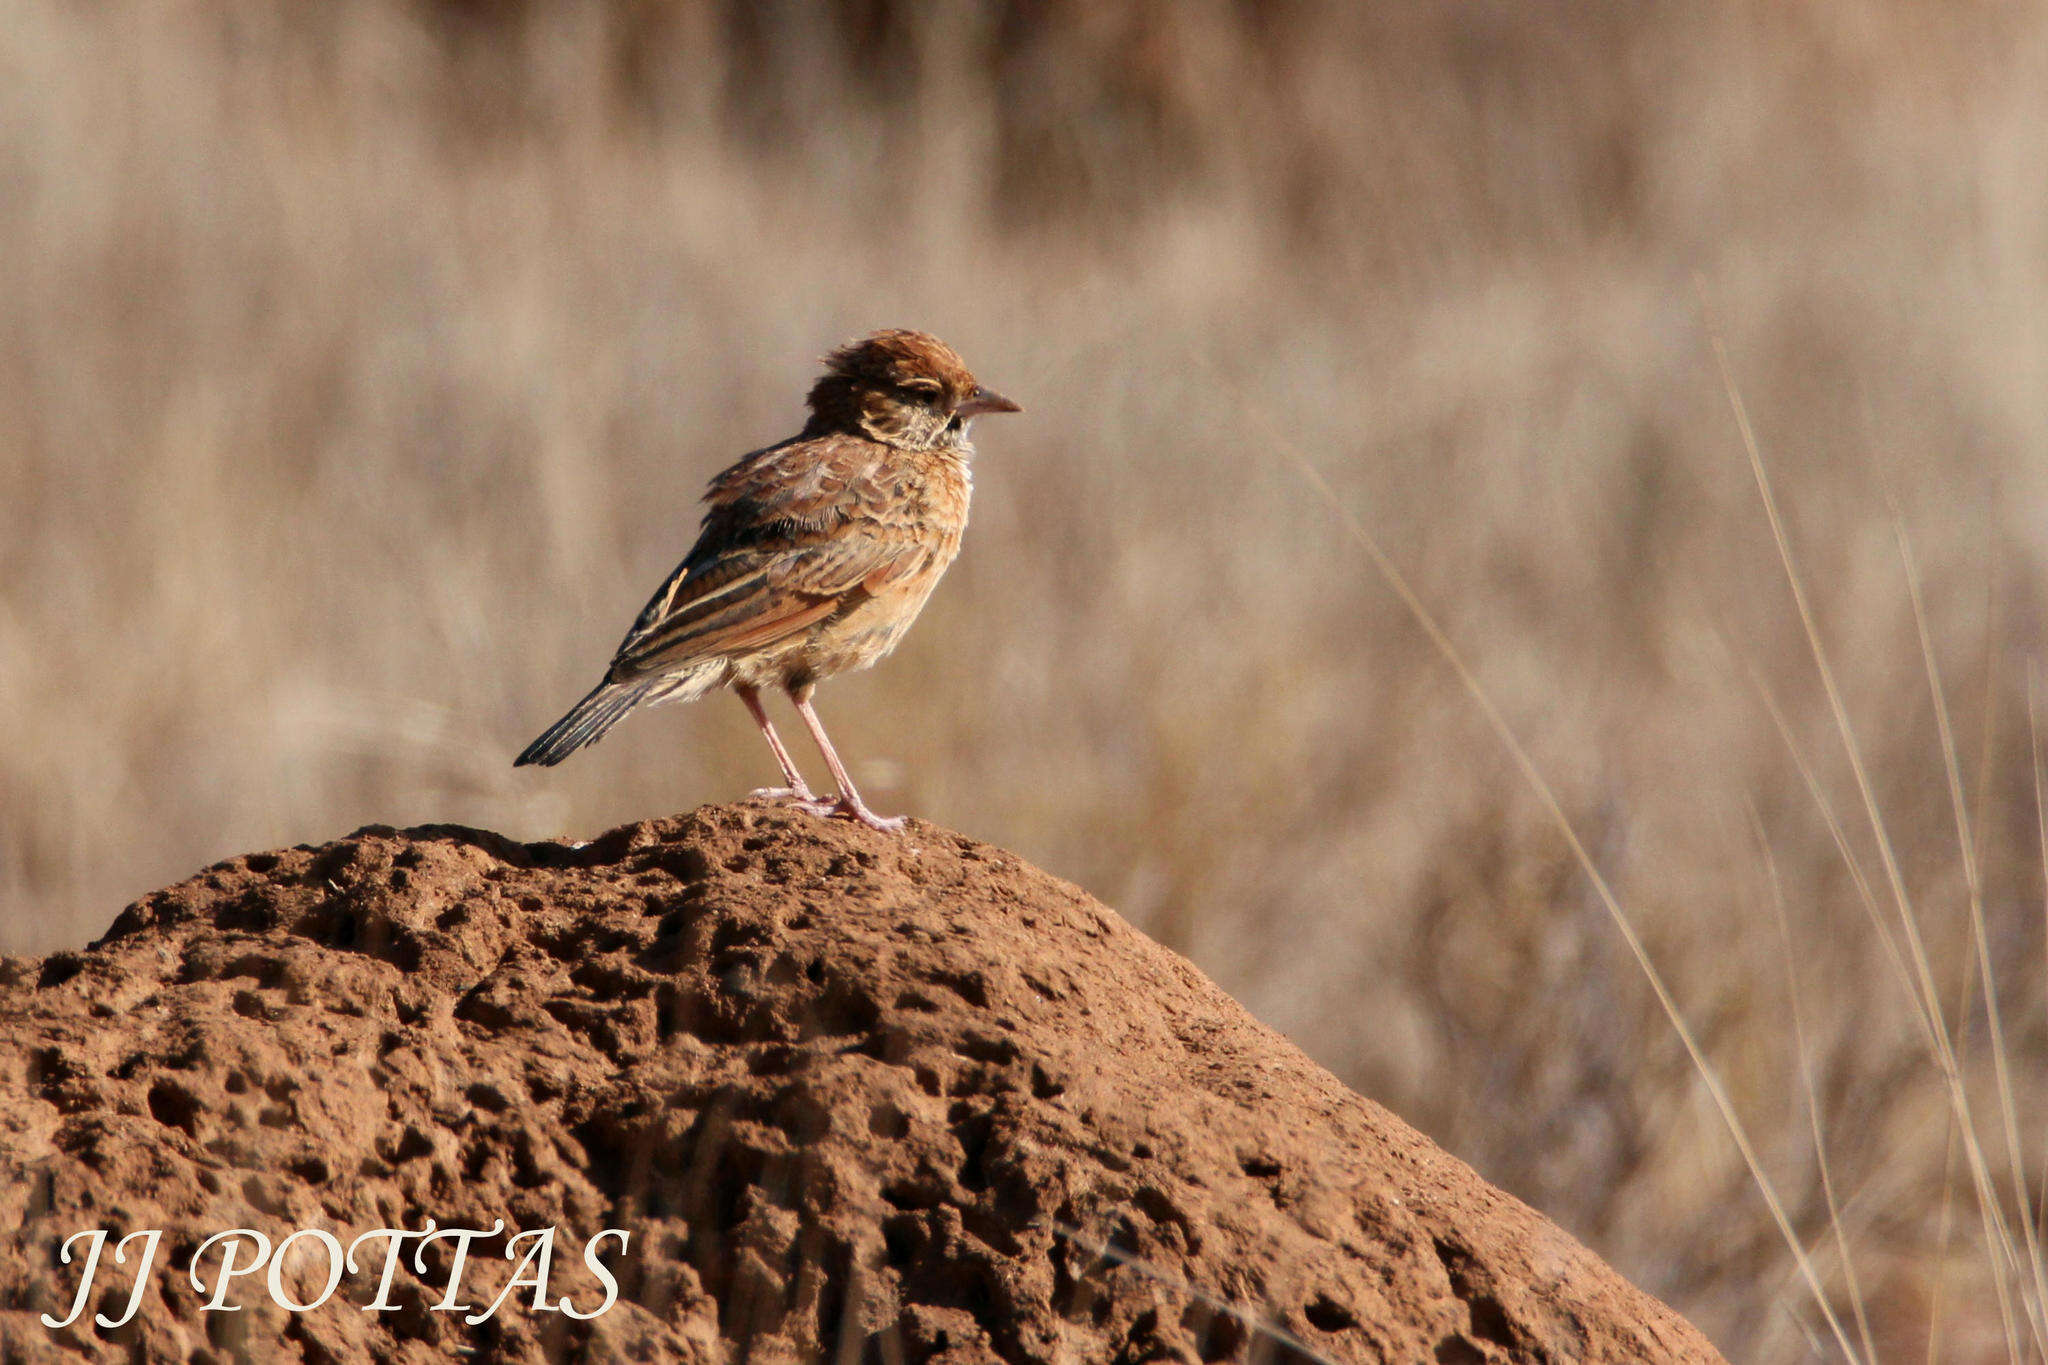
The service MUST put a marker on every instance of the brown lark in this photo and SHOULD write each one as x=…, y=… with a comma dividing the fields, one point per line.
x=815, y=555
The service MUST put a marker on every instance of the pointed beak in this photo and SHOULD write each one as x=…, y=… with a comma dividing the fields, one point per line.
x=985, y=400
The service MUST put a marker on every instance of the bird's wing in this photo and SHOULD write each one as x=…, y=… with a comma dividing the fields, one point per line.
x=791, y=532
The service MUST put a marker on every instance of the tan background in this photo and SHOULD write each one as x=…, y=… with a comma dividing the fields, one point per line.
x=360, y=365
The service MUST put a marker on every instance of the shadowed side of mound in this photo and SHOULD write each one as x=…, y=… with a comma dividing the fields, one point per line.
x=854, y=1097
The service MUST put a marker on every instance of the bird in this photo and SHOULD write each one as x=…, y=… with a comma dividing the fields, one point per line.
x=814, y=557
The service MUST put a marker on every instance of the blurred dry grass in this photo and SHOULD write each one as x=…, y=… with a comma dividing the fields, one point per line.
x=361, y=365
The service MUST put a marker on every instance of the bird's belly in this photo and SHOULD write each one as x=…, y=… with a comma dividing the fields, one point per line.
x=867, y=632
x=852, y=640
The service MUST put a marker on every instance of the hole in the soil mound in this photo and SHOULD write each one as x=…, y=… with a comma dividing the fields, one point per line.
x=260, y=863
x=1490, y=1321
x=738, y=862
x=913, y=1000
x=738, y=933
x=333, y=861
x=908, y=1196
x=1458, y=1351
x=969, y=986
x=1259, y=1167
x=1158, y=1206
x=685, y=863
x=887, y=1121
x=411, y=1145
x=59, y=968
x=488, y=1098
x=990, y=1051
x=310, y=1169
x=246, y=912
x=774, y=1059
x=805, y=1117
x=975, y=1139
x=1327, y=1315
x=1218, y=1336
x=174, y=1107
x=842, y=1010
x=901, y=1238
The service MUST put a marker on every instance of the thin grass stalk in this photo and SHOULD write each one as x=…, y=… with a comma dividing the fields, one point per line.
x=1805, y=1057
x=1858, y=878
x=1997, y=1235
x=2041, y=829
x=1973, y=881
x=1554, y=808
x=1965, y=992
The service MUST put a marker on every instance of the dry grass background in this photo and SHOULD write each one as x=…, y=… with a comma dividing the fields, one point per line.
x=360, y=365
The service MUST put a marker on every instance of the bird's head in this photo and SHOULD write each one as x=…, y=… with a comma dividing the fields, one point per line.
x=905, y=389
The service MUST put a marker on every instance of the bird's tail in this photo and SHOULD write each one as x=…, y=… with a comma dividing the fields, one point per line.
x=587, y=721
x=608, y=704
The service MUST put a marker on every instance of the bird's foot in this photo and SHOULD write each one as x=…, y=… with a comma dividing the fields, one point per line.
x=795, y=795
x=842, y=808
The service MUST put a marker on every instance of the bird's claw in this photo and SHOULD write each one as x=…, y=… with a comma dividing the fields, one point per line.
x=838, y=807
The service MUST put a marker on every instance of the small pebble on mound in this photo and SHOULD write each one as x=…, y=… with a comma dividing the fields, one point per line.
x=855, y=1097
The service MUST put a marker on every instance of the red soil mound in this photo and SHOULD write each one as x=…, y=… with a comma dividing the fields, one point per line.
x=854, y=1097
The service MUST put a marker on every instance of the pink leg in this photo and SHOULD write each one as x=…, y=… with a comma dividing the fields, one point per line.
x=848, y=802
x=797, y=787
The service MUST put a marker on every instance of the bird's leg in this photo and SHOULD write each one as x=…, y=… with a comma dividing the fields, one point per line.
x=797, y=789
x=848, y=802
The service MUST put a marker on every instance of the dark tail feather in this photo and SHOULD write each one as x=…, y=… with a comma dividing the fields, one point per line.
x=586, y=722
